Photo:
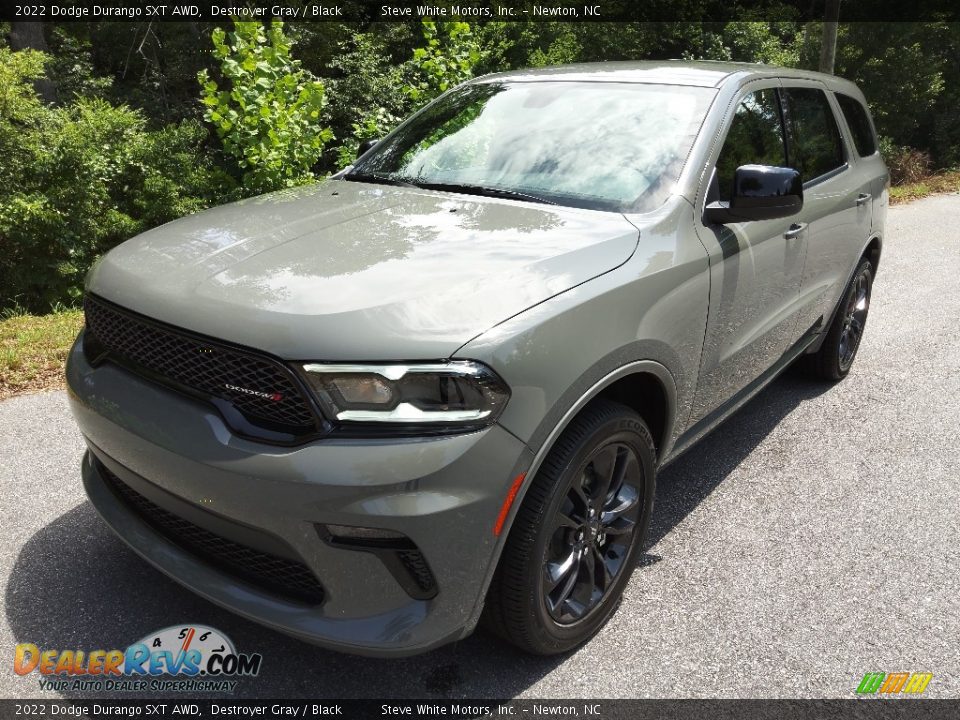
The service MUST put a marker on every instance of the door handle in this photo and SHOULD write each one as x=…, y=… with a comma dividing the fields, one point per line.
x=862, y=199
x=794, y=231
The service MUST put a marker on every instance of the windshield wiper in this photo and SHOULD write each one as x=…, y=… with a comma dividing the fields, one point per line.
x=376, y=178
x=486, y=191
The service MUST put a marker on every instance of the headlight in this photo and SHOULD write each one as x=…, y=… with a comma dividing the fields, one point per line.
x=452, y=395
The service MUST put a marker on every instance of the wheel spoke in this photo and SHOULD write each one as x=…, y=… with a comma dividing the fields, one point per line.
x=564, y=520
x=576, y=608
x=624, y=460
x=590, y=562
x=578, y=495
x=625, y=501
x=854, y=319
x=604, y=465
x=621, y=526
x=557, y=571
x=606, y=578
x=571, y=582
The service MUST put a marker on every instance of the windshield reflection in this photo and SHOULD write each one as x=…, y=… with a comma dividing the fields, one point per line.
x=598, y=145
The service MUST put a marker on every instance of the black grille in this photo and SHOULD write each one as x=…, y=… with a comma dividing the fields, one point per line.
x=273, y=400
x=277, y=575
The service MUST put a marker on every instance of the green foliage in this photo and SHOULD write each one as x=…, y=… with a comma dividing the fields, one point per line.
x=447, y=58
x=369, y=92
x=764, y=42
x=81, y=178
x=268, y=118
x=18, y=100
x=371, y=126
x=563, y=49
x=71, y=63
x=125, y=149
x=894, y=67
x=773, y=43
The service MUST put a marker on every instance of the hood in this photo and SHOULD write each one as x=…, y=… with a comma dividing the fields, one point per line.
x=350, y=271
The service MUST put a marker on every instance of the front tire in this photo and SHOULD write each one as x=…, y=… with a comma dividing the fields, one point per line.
x=577, y=535
x=835, y=357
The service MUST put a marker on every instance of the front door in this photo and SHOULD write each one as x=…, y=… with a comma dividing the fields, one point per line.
x=756, y=268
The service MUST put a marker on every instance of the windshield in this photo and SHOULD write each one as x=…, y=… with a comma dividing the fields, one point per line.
x=599, y=145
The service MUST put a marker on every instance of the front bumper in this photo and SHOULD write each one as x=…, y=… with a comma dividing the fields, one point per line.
x=442, y=493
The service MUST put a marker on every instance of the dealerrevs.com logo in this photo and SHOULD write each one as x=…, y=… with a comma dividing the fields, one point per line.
x=184, y=658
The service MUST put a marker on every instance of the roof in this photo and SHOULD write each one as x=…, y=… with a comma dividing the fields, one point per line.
x=701, y=73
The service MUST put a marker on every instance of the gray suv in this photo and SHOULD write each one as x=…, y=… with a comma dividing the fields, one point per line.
x=436, y=388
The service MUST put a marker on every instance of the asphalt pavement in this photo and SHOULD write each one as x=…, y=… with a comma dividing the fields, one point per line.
x=813, y=538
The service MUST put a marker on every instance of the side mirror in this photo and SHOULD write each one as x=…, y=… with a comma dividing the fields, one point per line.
x=760, y=192
x=366, y=145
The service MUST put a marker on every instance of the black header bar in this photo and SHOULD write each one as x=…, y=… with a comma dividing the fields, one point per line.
x=367, y=11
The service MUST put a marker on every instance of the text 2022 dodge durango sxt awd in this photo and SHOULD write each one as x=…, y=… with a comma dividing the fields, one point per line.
x=437, y=387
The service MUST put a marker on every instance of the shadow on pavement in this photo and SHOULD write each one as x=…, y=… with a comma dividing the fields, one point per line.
x=686, y=482
x=75, y=585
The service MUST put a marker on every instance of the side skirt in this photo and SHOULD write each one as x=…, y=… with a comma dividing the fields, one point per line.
x=705, y=425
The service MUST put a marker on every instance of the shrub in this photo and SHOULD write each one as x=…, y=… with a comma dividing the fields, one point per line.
x=447, y=58
x=79, y=179
x=368, y=92
x=907, y=165
x=268, y=118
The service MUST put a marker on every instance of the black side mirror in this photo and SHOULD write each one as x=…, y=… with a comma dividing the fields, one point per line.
x=760, y=192
x=366, y=145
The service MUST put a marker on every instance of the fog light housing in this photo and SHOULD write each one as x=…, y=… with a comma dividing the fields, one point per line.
x=348, y=532
x=398, y=553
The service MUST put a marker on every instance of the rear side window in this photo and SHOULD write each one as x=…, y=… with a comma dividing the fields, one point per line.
x=814, y=139
x=859, y=122
x=755, y=138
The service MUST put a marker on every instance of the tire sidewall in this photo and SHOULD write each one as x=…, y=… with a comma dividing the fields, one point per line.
x=837, y=331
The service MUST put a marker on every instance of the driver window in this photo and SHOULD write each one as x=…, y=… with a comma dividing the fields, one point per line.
x=755, y=138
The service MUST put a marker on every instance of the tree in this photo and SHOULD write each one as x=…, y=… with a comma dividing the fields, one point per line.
x=449, y=55
x=828, y=49
x=29, y=36
x=268, y=116
x=447, y=58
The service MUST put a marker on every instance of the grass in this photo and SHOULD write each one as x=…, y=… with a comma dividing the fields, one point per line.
x=33, y=349
x=943, y=182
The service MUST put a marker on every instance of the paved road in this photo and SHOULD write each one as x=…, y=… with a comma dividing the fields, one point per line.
x=813, y=538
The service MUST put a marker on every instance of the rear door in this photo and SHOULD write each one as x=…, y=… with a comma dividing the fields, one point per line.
x=836, y=197
x=872, y=172
x=861, y=139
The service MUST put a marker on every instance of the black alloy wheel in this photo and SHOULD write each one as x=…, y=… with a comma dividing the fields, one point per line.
x=854, y=318
x=593, y=533
x=833, y=360
x=577, y=534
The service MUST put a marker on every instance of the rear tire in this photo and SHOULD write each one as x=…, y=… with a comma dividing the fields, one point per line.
x=835, y=357
x=577, y=535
